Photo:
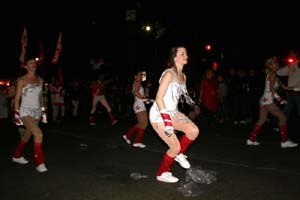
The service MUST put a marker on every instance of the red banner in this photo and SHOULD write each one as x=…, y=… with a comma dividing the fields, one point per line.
x=24, y=46
x=57, y=50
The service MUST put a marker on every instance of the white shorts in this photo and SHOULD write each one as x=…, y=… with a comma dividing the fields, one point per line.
x=155, y=116
x=34, y=113
x=139, y=106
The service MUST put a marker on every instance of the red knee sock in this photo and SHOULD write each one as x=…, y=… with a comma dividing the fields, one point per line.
x=165, y=164
x=131, y=131
x=254, y=132
x=111, y=117
x=283, y=133
x=19, y=149
x=140, y=135
x=184, y=143
x=38, y=153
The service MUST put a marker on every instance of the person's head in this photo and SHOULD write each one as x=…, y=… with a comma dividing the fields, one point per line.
x=241, y=73
x=293, y=54
x=251, y=73
x=178, y=56
x=31, y=64
x=272, y=65
x=139, y=74
x=220, y=77
x=232, y=71
x=75, y=83
x=209, y=73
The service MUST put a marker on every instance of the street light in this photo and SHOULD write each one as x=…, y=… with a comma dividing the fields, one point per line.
x=147, y=28
x=208, y=47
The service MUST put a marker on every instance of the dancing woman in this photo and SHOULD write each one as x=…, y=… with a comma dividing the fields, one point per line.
x=165, y=117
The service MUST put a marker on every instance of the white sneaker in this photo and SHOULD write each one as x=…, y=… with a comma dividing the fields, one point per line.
x=243, y=122
x=181, y=159
x=288, y=144
x=114, y=122
x=20, y=160
x=41, y=168
x=251, y=143
x=141, y=145
x=167, y=177
x=92, y=123
x=126, y=139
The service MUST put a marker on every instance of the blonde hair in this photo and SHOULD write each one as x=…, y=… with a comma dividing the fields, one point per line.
x=269, y=62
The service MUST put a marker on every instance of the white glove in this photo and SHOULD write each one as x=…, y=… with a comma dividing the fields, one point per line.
x=169, y=129
x=44, y=115
x=279, y=99
x=18, y=121
x=283, y=102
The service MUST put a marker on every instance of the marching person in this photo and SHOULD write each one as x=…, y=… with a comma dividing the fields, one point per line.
x=139, y=110
x=292, y=71
x=98, y=90
x=29, y=109
x=165, y=117
x=267, y=105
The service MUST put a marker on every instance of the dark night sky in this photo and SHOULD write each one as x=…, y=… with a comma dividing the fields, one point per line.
x=244, y=31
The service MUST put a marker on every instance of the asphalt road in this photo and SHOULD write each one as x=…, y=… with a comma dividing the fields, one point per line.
x=91, y=163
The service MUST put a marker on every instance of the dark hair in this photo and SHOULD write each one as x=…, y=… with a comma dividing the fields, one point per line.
x=172, y=54
x=30, y=57
x=138, y=69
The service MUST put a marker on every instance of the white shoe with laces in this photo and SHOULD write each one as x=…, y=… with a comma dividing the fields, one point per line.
x=92, y=123
x=114, y=122
x=20, y=160
x=167, y=177
x=288, y=144
x=141, y=145
x=251, y=143
x=41, y=168
x=126, y=139
x=181, y=159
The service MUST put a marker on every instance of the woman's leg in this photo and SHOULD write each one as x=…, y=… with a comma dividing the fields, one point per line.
x=93, y=110
x=142, y=118
x=55, y=112
x=263, y=113
x=32, y=125
x=173, y=144
x=191, y=132
x=188, y=127
x=131, y=131
x=274, y=110
x=21, y=145
x=108, y=109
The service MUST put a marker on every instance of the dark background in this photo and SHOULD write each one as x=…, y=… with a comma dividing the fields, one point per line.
x=243, y=33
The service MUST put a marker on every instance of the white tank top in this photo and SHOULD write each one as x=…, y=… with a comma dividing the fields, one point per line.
x=30, y=95
x=30, y=100
x=174, y=91
x=141, y=91
x=267, y=97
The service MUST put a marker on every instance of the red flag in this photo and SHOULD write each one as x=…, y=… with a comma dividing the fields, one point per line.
x=60, y=75
x=57, y=50
x=41, y=53
x=24, y=46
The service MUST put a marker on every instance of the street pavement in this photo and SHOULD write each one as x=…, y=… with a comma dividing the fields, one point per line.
x=94, y=162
